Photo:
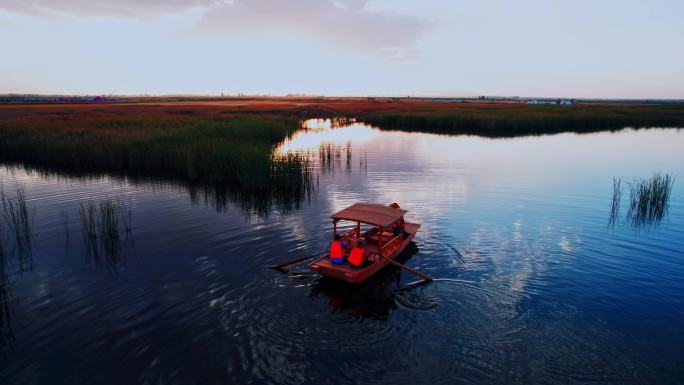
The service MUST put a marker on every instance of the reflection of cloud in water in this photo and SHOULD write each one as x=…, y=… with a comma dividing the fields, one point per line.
x=565, y=244
x=319, y=131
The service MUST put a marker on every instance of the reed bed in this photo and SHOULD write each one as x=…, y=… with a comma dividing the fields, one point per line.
x=510, y=120
x=615, y=204
x=106, y=229
x=648, y=201
x=231, y=151
x=18, y=219
x=329, y=157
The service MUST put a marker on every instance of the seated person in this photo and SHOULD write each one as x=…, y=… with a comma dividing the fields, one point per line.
x=399, y=227
x=337, y=250
x=358, y=254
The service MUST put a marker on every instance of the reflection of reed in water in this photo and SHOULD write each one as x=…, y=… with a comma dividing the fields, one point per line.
x=106, y=232
x=649, y=200
x=15, y=238
x=16, y=215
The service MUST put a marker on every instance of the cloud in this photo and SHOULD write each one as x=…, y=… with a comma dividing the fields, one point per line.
x=343, y=23
x=111, y=8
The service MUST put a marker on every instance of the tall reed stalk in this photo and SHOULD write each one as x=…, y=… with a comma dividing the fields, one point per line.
x=649, y=200
x=617, y=197
x=18, y=218
x=106, y=227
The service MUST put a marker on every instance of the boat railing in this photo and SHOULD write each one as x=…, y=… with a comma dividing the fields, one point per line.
x=390, y=247
x=350, y=235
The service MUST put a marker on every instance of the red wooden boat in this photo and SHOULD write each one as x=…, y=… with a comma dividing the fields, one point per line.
x=381, y=244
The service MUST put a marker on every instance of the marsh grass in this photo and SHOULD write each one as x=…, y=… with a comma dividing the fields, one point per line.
x=615, y=205
x=649, y=199
x=15, y=230
x=234, y=152
x=502, y=120
x=106, y=229
x=329, y=157
x=18, y=219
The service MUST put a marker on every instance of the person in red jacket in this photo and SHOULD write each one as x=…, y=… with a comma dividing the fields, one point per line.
x=358, y=254
x=337, y=250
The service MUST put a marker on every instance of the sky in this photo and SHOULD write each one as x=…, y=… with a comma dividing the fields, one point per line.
x=534, y=48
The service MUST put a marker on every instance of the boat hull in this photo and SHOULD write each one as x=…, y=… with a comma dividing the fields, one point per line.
x=351, y=274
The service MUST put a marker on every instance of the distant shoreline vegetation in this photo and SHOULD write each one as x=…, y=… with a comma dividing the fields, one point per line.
x=511, y=120
x=226, y=151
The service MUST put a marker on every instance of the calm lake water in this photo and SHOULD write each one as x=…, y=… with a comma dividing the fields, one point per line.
x=532, y=284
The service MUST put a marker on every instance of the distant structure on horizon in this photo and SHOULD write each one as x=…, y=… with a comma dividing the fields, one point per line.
x=559, y=102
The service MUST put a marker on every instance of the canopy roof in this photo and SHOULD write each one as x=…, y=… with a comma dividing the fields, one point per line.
x=378, y=215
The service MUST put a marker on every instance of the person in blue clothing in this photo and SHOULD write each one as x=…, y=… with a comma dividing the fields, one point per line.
x=337, y=250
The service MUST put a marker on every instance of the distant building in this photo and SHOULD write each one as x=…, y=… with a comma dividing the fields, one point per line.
x=560, y=102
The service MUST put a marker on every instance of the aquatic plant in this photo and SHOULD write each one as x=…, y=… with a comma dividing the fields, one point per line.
x=109, y=228
x=87, y=215
x=617, y=197
x=649, y=199
x=103, y=235
x=18, y=218
x=329, y=156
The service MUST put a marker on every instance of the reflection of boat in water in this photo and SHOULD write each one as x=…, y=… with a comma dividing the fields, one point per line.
x=382, y=248
x=374, y=298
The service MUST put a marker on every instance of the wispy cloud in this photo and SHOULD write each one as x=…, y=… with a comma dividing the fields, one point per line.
x=345, y=23
x=111, y=8
x=342, y=23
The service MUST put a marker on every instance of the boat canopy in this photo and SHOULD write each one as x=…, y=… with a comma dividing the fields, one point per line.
x=378, y=215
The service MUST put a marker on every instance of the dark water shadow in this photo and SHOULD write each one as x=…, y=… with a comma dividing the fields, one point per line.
x=374, y=299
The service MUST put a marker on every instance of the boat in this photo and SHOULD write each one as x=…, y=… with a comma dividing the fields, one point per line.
x=382, y=246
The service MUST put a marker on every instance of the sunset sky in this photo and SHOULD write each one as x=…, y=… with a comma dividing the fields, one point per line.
x=573, y=48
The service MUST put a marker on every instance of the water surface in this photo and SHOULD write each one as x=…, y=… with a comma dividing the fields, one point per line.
x=532, y=284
